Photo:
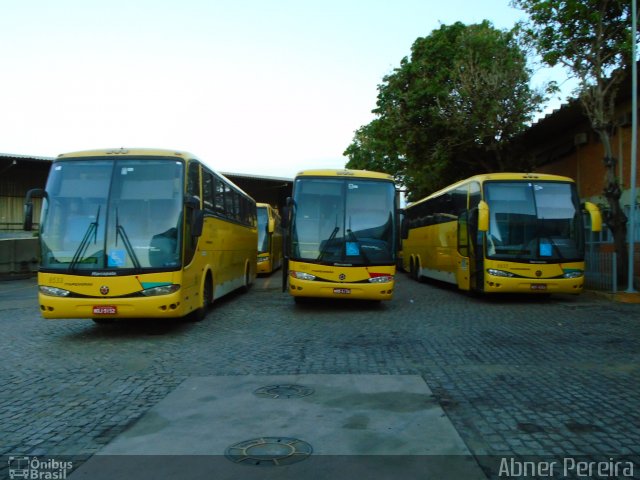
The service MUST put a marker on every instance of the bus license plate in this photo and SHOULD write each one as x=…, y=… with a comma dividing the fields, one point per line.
x=342, y=291
x=105, y=310
x=538, y=286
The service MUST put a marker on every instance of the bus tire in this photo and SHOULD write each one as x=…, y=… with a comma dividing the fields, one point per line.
x=415, y=272
x=207, y=295
x=247, y=279
x=412, y=269
x=104, y=321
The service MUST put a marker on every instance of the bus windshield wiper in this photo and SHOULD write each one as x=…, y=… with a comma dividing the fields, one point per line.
x=327, y=242
x=92, y=229
x=120, y=231
x=352, y=236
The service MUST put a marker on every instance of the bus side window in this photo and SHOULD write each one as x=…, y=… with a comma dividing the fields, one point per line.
x=207, y=191
x=218, y=201
x=193, y=180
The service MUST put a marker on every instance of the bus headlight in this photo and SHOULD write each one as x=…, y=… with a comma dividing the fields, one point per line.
x=572, y=274
x=499, y=273
x=53, y=291
x=301, y=275
x=381, y=279
x=262, y=259
x=162, y=290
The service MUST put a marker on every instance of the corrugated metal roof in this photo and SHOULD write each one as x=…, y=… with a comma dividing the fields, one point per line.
x=27, y=157
x=253, y=176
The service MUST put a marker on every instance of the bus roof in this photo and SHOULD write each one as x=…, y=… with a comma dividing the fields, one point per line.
x=148, y=152
x=345, y=173
x=497, y=177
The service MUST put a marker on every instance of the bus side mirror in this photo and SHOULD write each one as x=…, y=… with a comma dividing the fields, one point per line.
x=197, y=215
x=596, y=216
x=198, y=223
x=483, y=216
x=404, y=229
x=27, y=225
x=286, y=211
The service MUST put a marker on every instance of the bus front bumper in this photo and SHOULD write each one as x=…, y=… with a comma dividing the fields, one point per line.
x=161, y=306
x=356, y=291
x=494, y=284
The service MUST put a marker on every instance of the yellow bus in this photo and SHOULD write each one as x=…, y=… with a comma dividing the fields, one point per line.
x=502, y=232
x=269, y=238
x=140, y=233
x=342, y=236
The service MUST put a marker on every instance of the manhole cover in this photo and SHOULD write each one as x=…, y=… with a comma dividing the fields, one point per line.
x=283, y=391
x=269, y=451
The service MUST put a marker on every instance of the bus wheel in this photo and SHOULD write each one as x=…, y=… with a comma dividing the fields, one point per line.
x=247, y=279
x=104, y=321
x=207, y=294
x=415, y=270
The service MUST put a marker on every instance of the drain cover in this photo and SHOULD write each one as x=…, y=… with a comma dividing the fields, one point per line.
x=269, y=451
x=283, y=391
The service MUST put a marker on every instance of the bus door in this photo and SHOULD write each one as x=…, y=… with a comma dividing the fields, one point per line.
x=470, y=258
x=463, y=257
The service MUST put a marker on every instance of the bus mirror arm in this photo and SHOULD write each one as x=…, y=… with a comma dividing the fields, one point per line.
x=596, y=216
x=27, y=225
x=192, y=202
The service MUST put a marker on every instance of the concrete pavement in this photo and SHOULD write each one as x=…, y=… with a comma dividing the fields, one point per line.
x=346, y=422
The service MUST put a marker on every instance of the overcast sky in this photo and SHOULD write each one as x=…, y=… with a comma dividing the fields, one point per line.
x=267, y=87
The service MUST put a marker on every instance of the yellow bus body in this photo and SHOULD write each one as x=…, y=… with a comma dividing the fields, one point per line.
x=271, y=259
x=309, y=275
x=434, y=250
x=224, y=258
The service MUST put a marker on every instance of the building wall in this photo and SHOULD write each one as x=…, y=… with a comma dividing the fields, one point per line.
x=15, y=180
x=585, y=161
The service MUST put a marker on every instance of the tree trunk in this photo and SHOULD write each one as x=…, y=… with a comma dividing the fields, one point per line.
x=615, y=218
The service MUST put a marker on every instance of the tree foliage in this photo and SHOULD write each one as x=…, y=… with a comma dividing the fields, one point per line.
x=450, y=110
x=592, y=39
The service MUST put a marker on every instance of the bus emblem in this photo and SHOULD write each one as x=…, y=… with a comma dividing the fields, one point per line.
x=104, y=289
x=538, y=273
x=342, y=276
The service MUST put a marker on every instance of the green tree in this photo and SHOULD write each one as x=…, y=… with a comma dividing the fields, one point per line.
x=592, y=39
x=450, y=110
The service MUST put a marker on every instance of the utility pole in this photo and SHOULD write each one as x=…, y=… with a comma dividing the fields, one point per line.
x=634, y=147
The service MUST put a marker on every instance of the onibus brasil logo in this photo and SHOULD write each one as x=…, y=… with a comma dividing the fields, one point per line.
x=38, y=469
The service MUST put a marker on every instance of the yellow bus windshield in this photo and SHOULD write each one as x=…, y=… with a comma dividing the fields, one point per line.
x=339, y=221
x=534, y=221
x=107, y=214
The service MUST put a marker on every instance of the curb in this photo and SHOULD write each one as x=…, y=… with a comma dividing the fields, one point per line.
x=619, y=297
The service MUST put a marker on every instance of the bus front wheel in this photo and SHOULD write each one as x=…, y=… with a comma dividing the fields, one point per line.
x=247, y=279
x=207, y=296
x=415, y=270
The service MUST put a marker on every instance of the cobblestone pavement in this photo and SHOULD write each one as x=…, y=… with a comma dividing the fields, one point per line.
x=520, y=376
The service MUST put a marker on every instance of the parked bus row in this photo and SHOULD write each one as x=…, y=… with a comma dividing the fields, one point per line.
x=145, y=233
